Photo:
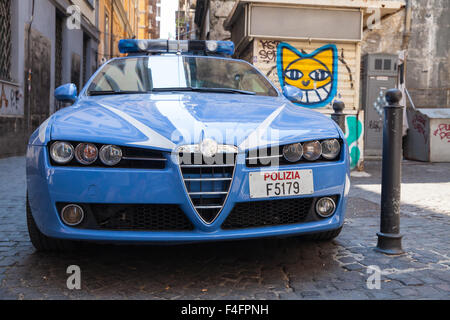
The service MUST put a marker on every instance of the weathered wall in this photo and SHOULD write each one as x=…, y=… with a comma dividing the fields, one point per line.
x=428, y=55
x=385, y=37
x=14, y=109
x=428, y=67
x=218, y=12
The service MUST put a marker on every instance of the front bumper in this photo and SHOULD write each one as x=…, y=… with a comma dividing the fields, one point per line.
x=50, y=185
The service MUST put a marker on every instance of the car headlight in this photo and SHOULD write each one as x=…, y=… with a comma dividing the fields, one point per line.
x=312, y=150
x=61, y=152
x=293, y=152
x=110, y=155
x=86, y=153
x=330, y=148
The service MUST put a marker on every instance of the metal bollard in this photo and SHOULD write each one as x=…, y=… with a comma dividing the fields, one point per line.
x=389, y=237
x=338, y=116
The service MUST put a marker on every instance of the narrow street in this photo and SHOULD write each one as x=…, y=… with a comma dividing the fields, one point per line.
x=290, y=268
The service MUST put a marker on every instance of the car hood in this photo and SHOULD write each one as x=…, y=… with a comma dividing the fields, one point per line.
x=164, y=121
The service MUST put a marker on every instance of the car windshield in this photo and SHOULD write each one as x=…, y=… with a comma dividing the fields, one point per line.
x=179, y=73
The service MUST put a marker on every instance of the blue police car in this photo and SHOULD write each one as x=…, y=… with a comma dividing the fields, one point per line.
x=176, y=142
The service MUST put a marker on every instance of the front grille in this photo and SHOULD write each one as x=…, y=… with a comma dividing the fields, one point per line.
x=137, y=217
x=207, y=181
x=268, y=213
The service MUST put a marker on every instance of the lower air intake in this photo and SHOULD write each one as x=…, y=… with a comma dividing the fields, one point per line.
x=268, y=213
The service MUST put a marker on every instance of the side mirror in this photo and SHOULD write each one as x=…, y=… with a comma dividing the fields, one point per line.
x=66, y=93
x=292, y=93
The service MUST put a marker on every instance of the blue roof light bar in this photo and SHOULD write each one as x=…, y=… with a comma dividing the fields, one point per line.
x=165, y=46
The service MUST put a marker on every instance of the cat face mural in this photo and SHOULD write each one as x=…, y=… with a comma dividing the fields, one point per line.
x=315, y=73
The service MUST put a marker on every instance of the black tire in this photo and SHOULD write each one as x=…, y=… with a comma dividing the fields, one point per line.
x=43, y=243
x=324, y=236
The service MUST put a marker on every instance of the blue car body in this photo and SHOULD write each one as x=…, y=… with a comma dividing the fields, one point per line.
x=147, y=121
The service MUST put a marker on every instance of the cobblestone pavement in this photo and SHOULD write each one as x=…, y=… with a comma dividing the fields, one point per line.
x=290, y=268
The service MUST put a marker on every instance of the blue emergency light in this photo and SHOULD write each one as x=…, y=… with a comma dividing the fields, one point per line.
x=174, y=46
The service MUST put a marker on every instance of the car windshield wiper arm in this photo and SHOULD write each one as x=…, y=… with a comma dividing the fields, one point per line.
x=105, y=92
x=223, y=90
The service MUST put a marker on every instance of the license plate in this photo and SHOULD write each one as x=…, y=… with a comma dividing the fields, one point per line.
x=281, y=183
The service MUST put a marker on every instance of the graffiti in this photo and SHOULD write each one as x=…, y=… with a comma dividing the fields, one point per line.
x=375, y=125
x=353, y=129
x=268, y=53
x=349, y=71
x=315, y=73
x=10, y=100
x=419, y=123
x=443, y=131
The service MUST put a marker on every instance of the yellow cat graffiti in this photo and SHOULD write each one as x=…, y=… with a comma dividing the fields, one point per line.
x=315, y=74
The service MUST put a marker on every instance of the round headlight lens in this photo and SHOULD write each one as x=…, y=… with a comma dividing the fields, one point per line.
x=110, y=155
x=330, y=148
x=293, y=152
x=312, y=150
x=61, y=152
x=86, y=153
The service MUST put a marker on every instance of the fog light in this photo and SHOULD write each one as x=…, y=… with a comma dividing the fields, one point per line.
x=325, y=207
x=72, y=214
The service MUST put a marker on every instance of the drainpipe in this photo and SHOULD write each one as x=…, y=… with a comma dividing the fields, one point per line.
x=30, y=68
x=407, y=31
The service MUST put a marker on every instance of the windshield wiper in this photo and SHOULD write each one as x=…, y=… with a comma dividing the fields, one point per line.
x=105, y=92
x=219, y=90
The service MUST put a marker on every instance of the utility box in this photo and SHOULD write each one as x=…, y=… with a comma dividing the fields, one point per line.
x=379, y=73
x=428, y=137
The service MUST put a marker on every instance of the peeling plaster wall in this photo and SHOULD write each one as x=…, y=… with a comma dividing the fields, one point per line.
x=428, y=67
x=218, y=12
x=428, y=56
x=387, y=38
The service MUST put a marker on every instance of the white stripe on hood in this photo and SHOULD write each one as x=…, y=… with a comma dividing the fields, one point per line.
x=154, y=139
x=255, y=139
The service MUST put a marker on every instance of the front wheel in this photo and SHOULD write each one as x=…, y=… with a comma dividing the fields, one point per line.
x=43, y=243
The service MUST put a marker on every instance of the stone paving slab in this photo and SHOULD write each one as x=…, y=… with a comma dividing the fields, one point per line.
x=290, y=268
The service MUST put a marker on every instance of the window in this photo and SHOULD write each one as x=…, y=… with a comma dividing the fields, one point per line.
x=5, y=40
x=156, y=73
x=59, y=21
x=106, y=36
x=378, y=64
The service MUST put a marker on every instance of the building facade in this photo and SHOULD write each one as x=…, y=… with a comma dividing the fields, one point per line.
x=184, y=19
x=148, y=28
x=119, y=20
x=47, y=43
x=410, y=38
